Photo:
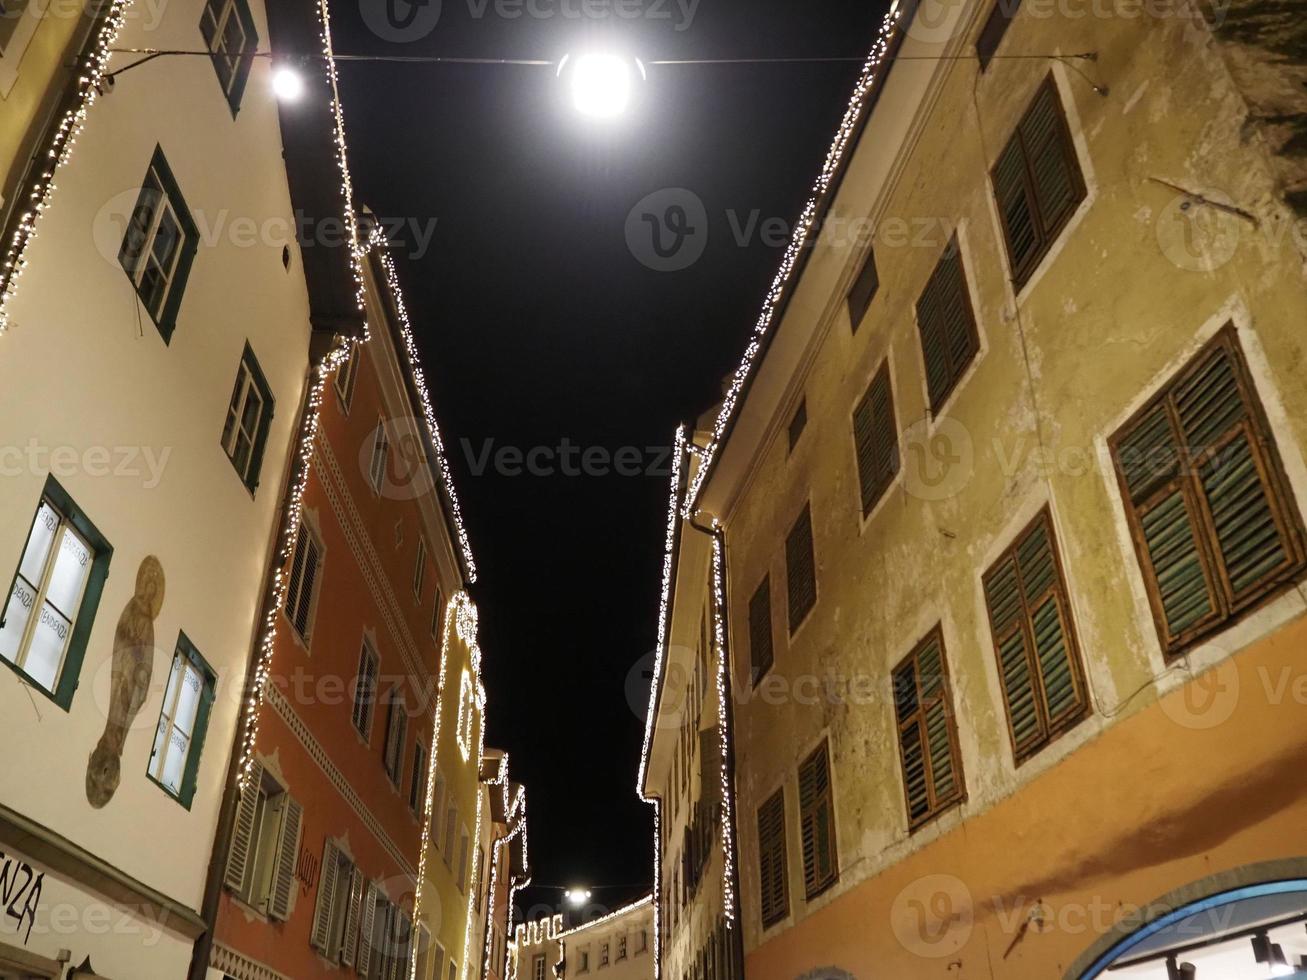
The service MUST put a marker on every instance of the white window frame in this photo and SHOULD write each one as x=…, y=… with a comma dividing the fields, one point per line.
x=380, y=456
x=246, y=384
x=345, y=375
x=306, y=527
x=418, y=776
x=420, y=568
x=364, y=711
x=189, y=661
x=146, y=254
x=218, y=48
x=396, y=721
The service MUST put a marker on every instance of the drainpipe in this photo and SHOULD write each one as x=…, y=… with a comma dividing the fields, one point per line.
x=203, y=948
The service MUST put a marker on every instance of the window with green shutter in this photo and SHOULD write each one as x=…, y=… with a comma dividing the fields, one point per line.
x=305, y=581
x=817, y=823
x=249, y=417
x=800, y=569
x=875, y=436
x=947, y=325
x=928, y=734
x=1034, y=639
x=1037, y=183
x=760, y=640
x=774, y=897
x=231, y=39
x=1213, y=519
x=183, y=721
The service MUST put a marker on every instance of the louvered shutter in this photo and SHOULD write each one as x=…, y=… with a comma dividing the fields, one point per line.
x=296, y=571
x=288, y=848
x=938, y=722
x=875, y=436
x=304, y=607
x=772, y=881
x=367, y=923
x=760, y=638
x=1043, y=683
x=800, y=569
x=932, y=778
x=947, y=325
x=913, y=751
x=321, y=935
x=349, y=948
x=816, y=824
x=1015, y=207
x=242, y=836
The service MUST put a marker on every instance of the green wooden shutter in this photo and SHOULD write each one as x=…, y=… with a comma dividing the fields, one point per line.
x=1055, y=175
x=816, y=824
x=947, y=326
x=911, y=748
x=242, y=836
x=875, y=436
x=760, y=638
x=1012, y=192
x=1017, y=674
x=288, y=849
x=773, y=885
x=320, y=938
x=932, y=777
x=938, y=722
x=800, y=569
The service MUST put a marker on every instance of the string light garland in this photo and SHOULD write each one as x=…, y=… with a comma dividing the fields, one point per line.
x=724, y=734
x=501, y=780
x=638, y=903
x=90, y=74
x=835, y=158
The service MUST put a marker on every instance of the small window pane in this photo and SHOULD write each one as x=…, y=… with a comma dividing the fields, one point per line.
x=47, y=647
x=17, y=613
x=71, y=569
x=38, y=543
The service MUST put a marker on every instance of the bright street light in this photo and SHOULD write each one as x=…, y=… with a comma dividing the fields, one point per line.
x=601, y=83
x=287, y=84
x=577, y=897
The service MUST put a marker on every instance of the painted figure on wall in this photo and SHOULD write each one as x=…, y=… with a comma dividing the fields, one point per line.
x=133, y=665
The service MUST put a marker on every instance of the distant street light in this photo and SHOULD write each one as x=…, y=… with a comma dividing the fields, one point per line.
x=577, y=897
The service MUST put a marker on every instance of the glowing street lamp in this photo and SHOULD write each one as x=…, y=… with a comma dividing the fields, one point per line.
x=287, y=84
x=601, y=84
x=577, y=897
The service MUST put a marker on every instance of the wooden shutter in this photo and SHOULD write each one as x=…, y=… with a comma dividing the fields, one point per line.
x=288, y=848
x=350, y=947
x=1214, y=522
x=864, y=288
x=817, y=823
x=875, y=436
x=305, y=568
x=242, y=835
x=760, y=639
x=800, y=569
x=296, y=571
x=772, y=873
x=995, y=27
x=1030, y=616
x=367, y=923
x=321, y=935
x=1037, y=182
x=947, y=326
x=928, y=738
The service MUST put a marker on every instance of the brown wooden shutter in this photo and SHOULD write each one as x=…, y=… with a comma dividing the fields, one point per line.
x=288, y=848
x=995, y=27
x=1037, y=182
x=760, y=638
x=817, y=823
x=772, y=872
x=864, y=289
x=1039, y=664
x=947, y=325
x=875, y=436
x=800, y=569
x=242, y=836
x=1214, y=521
x=928, y=738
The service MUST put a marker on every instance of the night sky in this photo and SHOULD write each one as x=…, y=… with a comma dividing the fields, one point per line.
x=538, y=324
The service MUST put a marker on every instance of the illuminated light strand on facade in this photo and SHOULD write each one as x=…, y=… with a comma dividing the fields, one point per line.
x=377, y=239
x=835, y=158
x=90, y=77
x=500, y=780
x=723, y=692
x=604, y=918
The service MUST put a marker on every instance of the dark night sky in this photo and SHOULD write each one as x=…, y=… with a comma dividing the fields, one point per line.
x=537, y=324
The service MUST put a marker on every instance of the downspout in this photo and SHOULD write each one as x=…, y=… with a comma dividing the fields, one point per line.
x=203, y=948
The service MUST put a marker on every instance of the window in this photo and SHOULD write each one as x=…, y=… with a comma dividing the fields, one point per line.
x=380, y=456
x=1038, y=663
x=1037, y=183
x=265, y=844
x=480, y=879
x=365, y=691
x=422, y=942
x=773, y=874
x=453, y=970
x=159, y=246
x=305, y=581
x=643, y=945
x=817, y=823
x=464, y=842
x=538, y=967
x=876, y=438
x=60, y=576
x=418, y=777
x=928, y=734
x=947, y=326
x=435, y=615
x=183, y=720
x=437, y=809
x=420, y=569
x=761, y=654
x=12, y=13
x=584, y=965
x=800, y=569
x=798, y=422
x=451, y=821
x=231, y=39
x=864, y=289
x=336, y=918
x=249, y=415
x=621, y=947
x=396, y=729
x=603, y=954
x=467, y=704
x=995, y=27
x=345, y=375
x=1213, y=519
